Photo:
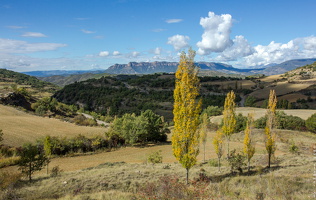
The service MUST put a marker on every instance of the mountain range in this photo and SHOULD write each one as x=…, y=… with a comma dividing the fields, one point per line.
x=170, y=67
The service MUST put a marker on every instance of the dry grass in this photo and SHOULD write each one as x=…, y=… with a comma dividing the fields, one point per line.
x=120, y=174
x=20, y=127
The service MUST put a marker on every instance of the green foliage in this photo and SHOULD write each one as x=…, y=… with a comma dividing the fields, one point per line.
x=311, y=123
x=212, y=111
x=147, y=127
x=250, y=101
x=293, y=148
x=236, y=161
x=50, y=106
x=31, y=160
x=241, y=123
x=155, y=157
x=83, y=121
x=56, y=171
x=284, y=121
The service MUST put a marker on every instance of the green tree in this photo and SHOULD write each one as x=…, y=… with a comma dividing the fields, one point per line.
x=269, y=132
x=213, y=111
x=31, y=160
x=186, y=111
x=229, y=117
x=311, y=123
x=203, y=131
x=250, y=101
x=218, y=146
x=156, y=128
x=249, y=147
x=47, y=150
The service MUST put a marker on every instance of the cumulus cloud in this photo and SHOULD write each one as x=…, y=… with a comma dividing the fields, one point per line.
x=18, y=46
x=33, y=34
x=158, y=30
x=171, y=21
x=179, y=41
x=216, y=36
x=240, y=48
x=116, y=53
x=104, y=53
x=135, y=54
x=278, y=52
x=87, y=31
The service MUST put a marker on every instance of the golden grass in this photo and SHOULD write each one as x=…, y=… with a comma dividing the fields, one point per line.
x=20, y=127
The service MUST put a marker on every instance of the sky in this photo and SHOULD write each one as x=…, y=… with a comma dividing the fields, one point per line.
x=95, y=34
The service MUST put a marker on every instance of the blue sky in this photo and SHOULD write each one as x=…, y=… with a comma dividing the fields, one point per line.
x=95, y=34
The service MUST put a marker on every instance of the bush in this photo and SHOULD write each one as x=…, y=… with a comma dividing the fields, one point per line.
x=213, y=111
x=155, y=157
x=56, y=171
x=311, y=123
x=236, y=161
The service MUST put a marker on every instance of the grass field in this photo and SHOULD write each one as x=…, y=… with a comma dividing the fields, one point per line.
x=20, y=127
x=121, y=174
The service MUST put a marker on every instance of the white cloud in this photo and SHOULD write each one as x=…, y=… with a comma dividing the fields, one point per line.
x=116, y=53
x=278, y=52
x=158, y=30
x=170, y=21
x=216, y=36
x=157, y=51
x=135, y=54
x=179, y=41
x=18, y=46
x=104, y=53
x=16, y=27
x=33, y=34
x=240, y=48
x=87, y=31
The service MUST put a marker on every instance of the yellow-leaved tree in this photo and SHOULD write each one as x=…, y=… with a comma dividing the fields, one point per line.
x=203, y=131
x=269, y=133
x=186, y=110
x=218, y=146
x=229, y=117
x=249, y=147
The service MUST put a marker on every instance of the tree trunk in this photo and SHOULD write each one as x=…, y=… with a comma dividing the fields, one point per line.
x=187, y=176
x=269, y=160
x=248, y=165
x=204, y=151
x=47, y=169
x=30, y=172
x=219, y=164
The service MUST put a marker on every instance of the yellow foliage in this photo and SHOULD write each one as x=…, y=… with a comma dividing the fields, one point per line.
x=218, y=143
x=185, y=138
x=249, y=148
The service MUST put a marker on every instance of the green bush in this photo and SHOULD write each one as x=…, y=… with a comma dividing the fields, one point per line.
x=236, y=161
x=155, y=157
x=311, y=123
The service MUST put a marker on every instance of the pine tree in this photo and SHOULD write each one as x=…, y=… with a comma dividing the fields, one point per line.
x=185, y=138
x=204, y=130
x=218, y=146
x=229, y=117
x=249, y=148
x=270, y=136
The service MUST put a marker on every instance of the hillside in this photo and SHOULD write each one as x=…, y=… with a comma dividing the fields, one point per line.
x=20, y=127
x=66, y=80
x=287, y=66
x=35, y=87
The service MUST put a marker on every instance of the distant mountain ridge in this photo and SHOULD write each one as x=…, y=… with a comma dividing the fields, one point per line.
x=171, y=67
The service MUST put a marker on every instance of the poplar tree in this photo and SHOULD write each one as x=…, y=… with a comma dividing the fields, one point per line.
x=270, y=136
x=218, y=146
x=47, y=150
x=229, y=117
x=204, y=130
x=249, y=148
x=185, y=138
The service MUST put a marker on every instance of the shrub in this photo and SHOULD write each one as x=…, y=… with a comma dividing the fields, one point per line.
x=236, y=161
x=293, y=148
x=213, y=111
x=155, y=157
x=311, y=123
x=56, y=171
